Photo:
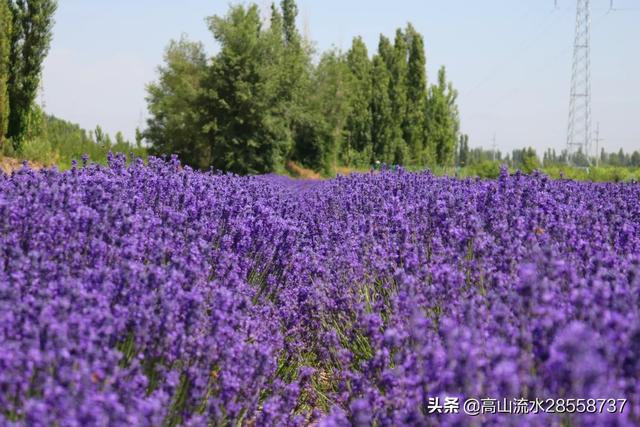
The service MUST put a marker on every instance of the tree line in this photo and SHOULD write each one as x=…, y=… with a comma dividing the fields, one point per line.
x=263, y=100
x=619, y=158
x=527, y=158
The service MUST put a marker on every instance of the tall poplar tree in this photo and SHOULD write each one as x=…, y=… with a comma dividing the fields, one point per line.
x=414, y=130
x=398, y=95
x=289, y=14
x=295, y=70
x=329, y=107
x=357, y=147
x=31, y=37
x=382, y=123
x=6, y=24
x=308, y=130
x=463, y=150
x=442, y=122
x=279, y=81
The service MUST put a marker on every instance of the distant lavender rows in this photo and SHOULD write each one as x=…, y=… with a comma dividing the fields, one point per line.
x=156, y=295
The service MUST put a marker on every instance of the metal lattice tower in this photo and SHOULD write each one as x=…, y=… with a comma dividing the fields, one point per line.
x=579, y=127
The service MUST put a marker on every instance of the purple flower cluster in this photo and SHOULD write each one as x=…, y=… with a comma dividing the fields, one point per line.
x=157, y=295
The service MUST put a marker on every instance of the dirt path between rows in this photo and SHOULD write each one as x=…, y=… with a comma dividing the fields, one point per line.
x=9, y=164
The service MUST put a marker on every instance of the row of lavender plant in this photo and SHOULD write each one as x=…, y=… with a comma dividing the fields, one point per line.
x=156, y=295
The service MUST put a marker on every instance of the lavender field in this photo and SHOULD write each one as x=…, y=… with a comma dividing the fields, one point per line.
x=156, y=295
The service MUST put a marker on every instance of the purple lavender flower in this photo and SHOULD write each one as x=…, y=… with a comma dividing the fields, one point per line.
x=153, y=294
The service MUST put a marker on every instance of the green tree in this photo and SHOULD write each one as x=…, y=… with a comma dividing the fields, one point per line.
x=120, y=139
x=357, y=147
x=329, y=107
x=414, y=127
x=398, y=95
x=530, y=160
x=31, y=37
x=295, y=88
x=99, y=136
x=139, y=138
x=622, y=158
x=174, y=126
x=395, y=149
x=442, y=122
x=239, y=109
x=463, y=150
x=382, y=123
x=525, y=159
x=6, y=24
x=289, y=14
x=604, y=159
x=580, y=159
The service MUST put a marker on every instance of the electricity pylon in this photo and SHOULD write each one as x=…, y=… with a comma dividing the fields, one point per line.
x=579, y=126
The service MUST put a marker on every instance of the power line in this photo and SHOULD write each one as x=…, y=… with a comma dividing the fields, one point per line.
x=525, y=46
x=543, y=65
x=548, y=20
x=500, y=99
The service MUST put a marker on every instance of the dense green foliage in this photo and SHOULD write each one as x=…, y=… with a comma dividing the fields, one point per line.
x=244, y=95
x=32, y=22
x=6, y=25
x=358, y=130
x=262, y=101
x=175, y=125
x=415, y=120
x=442, y=123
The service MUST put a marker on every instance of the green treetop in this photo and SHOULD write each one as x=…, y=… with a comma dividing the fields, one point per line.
x=357, y=148
x=174, y=125
x=241, y=112
x=382, y=126
x=442, y=122
x=6, y=24
x=398, y=95
x=416, y=97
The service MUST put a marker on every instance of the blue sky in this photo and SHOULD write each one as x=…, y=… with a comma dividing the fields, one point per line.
x=509, y=59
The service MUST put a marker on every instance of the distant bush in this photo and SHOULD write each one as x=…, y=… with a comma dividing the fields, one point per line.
x=566, y=172
x=490, y=170
x=595, y=174
x=612, y=174
x=484, y=169
x=39, y=150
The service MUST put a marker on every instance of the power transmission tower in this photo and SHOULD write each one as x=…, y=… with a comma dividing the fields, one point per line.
x=579, y=126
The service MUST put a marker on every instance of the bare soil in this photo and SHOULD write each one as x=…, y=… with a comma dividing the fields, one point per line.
x=9, y=164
